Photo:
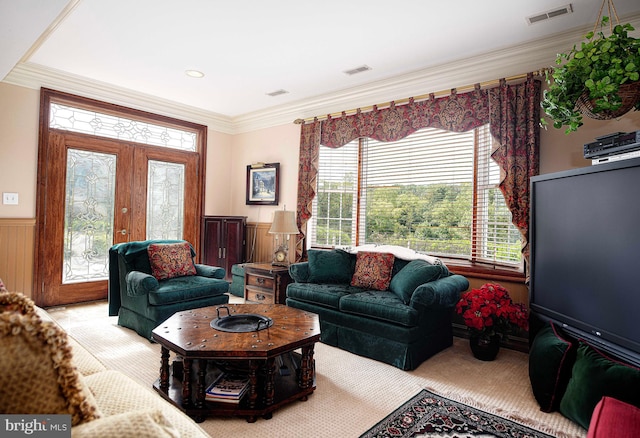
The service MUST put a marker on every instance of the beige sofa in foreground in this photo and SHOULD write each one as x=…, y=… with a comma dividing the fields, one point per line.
x=44, y=371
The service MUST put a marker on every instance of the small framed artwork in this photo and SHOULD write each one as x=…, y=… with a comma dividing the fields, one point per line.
x=263, y=184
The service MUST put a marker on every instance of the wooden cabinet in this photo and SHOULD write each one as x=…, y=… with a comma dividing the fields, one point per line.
x=265, y=284
x=223, y=241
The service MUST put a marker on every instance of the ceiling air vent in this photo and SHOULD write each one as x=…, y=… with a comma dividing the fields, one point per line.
x=277, y=93
x=550, y=14
x=355, y=71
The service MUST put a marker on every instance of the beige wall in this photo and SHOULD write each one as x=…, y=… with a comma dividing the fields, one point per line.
x=18, y=148
x=218, y=195
x=560, y=151
x=279, y=144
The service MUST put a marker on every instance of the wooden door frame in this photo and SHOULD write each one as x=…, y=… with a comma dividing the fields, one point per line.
x=192, y=200
x=142, y=156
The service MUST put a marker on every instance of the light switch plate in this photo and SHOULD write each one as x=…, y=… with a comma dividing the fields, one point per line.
x=9, y=198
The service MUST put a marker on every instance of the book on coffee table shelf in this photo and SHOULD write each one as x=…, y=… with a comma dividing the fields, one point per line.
x=227, y=388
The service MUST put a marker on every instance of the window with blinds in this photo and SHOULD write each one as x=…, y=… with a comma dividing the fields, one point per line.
x=334, y=206
x=434, y=191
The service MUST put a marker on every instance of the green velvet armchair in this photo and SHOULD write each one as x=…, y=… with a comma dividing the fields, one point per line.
x=142, y=301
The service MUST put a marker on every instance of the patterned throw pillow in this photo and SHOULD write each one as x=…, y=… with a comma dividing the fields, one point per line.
x=15, y=302
x=37, y=375
x=169, y=260
x=373, y=270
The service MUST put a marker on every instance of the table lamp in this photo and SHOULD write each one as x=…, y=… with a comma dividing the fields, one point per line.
x=284, y=223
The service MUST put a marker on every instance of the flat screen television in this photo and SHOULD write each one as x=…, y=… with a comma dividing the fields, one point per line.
x=585, y=254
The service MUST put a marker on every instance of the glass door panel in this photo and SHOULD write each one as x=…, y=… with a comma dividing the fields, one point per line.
x=89, y=215
x=165, y=200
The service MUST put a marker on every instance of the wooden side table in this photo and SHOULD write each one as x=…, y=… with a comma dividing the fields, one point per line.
x=265, y=283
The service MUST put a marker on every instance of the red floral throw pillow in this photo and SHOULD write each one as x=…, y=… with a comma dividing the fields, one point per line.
x=373, y=270
x=169, y=260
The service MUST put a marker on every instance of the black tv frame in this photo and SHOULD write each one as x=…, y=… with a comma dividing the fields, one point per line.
x=563, y=249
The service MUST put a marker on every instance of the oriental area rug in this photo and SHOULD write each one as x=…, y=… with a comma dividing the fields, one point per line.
x=431, y=415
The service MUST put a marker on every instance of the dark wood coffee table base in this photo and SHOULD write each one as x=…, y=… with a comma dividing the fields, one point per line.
x=279, y=361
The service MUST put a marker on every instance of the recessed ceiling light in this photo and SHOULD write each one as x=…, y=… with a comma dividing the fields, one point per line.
x=194, y=73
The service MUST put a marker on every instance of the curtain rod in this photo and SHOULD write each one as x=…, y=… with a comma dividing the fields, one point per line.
x=441, y=93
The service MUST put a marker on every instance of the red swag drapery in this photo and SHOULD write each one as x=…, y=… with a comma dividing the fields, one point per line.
x=512, y=110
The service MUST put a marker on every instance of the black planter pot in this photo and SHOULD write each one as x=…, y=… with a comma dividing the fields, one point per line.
x=485, y=347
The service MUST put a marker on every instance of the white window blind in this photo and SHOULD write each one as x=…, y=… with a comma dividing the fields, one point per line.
x=497, y=239
x=418, y=192
x=334, y=207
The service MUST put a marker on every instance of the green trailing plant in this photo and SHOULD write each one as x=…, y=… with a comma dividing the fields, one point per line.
x=598, y=67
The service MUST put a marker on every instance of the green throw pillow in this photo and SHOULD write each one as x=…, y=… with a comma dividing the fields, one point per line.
x=594, y=376
x=335, y=266
x=415, y=273
x=550, y=360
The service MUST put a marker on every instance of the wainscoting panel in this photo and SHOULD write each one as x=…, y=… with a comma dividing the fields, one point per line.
x=260, y=245
x=17, y=237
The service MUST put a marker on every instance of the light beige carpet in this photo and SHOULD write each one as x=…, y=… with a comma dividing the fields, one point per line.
x=353, y=393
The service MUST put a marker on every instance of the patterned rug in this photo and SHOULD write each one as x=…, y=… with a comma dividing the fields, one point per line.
x=431, y=415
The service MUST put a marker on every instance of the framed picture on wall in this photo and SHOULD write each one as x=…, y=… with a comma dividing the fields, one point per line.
x=263, y=184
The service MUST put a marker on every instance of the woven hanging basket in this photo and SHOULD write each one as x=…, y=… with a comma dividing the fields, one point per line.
x=629, y=93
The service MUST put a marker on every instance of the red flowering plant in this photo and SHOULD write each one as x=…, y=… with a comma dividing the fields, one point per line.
x=489, y=311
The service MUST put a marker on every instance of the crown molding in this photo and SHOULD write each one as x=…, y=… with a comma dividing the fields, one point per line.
x=36, y=76
x=506, y=62
x=444, y=77
x=502, y=63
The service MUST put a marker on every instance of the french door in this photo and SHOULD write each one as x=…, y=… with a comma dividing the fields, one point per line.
x=94, y=192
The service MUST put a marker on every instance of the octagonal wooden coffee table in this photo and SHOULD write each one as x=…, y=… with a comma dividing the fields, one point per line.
x=277, y=358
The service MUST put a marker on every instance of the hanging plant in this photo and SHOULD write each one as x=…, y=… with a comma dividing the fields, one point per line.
x=600, y=79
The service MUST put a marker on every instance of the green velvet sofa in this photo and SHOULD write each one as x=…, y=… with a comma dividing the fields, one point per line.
x=402, y=325
x=236, y=287
x=142, y=302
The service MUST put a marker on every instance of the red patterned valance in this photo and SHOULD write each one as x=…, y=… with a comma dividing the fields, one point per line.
x=458, y=113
